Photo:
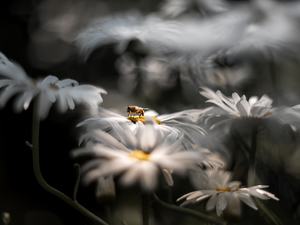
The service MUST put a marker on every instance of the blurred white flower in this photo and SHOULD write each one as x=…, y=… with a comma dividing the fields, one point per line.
x=183, y=122
x=123, y=28
x=158, y=36
x=225, y=193
x=66, y=92
x=270, y=33
x=174, y=8
x=155, y=75
x=219, y=71
x=142, y=155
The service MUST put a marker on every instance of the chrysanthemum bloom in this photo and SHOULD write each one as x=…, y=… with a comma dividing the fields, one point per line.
x=66, y=92
x=225, y=194
x=181, y=122
x=140, y=156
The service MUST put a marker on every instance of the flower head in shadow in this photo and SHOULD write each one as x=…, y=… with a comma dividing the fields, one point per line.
x=223, y=193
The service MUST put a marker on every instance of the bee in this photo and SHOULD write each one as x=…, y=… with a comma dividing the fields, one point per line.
x=132, y=109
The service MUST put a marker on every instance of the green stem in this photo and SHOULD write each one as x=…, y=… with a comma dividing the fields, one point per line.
x=251, y=170
x=108, y=214
x=146, y=208
x=239, y=141
x=268, y=212
x=77, y=181
x=38, y=174
x=187, y=211
x=251, y=177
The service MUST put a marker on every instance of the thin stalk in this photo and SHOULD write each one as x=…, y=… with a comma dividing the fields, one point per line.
x=239, y=141
x=146, y=208
x=188, y=211
x=77, y=181
x=38, y=174
x=170, y=194
x=108, y=214
x=251, y=177
x=251, y=170
x=268, y=212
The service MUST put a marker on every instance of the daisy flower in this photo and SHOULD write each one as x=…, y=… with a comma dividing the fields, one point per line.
x=180, y=122
x=66, y=92
x=239, y=107
x=223, y=193
x=141, y=157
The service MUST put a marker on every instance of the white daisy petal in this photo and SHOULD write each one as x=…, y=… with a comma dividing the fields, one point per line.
x=168, y=176
x=221, y=201
x=247, y=200
x=22, y=101
x=195, y=195
x=149, y=177
x=236, y=98
x=188, y=194
x=131, y=175
x=202, y=197
x=211, y=203
x=252, y=100
x=243, y=106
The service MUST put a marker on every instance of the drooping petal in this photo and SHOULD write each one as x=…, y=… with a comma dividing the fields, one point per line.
x=211, y=203
x=221, y=202
x=22, y=101
x=246, y=198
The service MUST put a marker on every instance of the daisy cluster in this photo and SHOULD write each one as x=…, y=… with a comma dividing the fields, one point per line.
x=220, y=123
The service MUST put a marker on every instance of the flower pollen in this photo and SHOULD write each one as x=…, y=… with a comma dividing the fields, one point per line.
x=142, y=119
x=139, y=154
x=226, y=189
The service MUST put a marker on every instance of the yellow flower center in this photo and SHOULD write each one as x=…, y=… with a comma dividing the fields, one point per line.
x=226, y=189
x=139, y=154
x=141, y=118
x=53, y=86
